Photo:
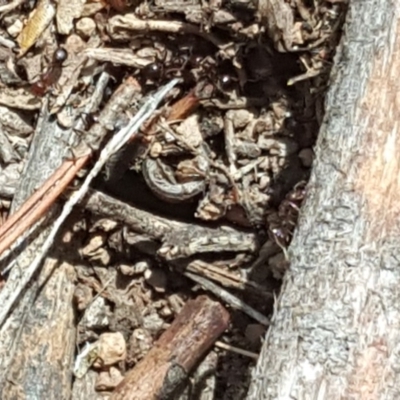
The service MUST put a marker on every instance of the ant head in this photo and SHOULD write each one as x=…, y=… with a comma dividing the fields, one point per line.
x=226, y=82
x=153, y=72
x=60, y=55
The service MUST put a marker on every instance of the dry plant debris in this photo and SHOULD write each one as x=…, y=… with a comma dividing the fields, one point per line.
x=205, y=199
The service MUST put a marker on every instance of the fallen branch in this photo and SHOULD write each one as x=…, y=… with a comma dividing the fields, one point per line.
x=336, y=330
x=169, y=232
x=167, y=365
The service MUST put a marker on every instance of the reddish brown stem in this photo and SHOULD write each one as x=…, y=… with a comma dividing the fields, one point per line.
x=39, y=202
x=178, y=350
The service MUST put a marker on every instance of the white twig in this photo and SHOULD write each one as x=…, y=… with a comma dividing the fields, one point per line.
x=236, y=350
x=115, y=143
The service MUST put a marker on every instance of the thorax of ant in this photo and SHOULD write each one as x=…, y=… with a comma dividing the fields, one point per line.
x=51, y=74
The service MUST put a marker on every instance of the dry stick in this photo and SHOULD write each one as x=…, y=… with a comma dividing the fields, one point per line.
x=131, y=22
x=32, y=201
x=226, y=278
x=229, y=298
x=183, y=107
x=34, y=209
x=336, y=330
x=117, y=56
x=46, y=155
x=120, y=101
x=163, y=229
x=115, y=143
x=179, y=349
x=48, y=151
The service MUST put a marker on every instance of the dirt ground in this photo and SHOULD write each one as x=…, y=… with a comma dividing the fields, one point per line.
x=204, y=199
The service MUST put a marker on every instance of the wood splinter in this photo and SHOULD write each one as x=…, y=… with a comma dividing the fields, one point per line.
x=167, y=365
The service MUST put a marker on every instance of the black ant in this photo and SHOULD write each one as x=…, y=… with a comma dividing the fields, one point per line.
x=153, y=72
x=52, y=75
x=193, y=69
x=157, y=71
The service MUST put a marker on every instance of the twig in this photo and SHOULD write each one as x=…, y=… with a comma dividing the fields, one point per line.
x=226, y=278
x=183, y=107
x=130, y=22
x=237, y=350
x=115, y=143
x=229, y=298
x=39, y=203
x=175, y=354
x=119, y=102
x=170, y=232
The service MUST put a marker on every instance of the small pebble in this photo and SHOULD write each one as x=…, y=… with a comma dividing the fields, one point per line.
x=108, y=380
x=111, y=349
x=135, y=269
x=85, y=27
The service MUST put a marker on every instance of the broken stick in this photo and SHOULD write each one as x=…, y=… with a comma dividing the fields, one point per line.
x=166, y=367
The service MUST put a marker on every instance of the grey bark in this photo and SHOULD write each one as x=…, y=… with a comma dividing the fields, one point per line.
x=335, y=333
x=37, y=341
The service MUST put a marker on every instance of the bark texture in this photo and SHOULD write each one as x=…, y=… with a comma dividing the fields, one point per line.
x=37, y=341
x=336, y=330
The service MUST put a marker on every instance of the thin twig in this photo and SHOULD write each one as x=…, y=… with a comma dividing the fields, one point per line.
x=165, y=230
x=226, y=278
x=236, y=350
x=40, y=202
x=229, y=298
x=31, y=202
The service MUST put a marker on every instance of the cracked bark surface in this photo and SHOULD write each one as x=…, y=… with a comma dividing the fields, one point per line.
x=335, y=333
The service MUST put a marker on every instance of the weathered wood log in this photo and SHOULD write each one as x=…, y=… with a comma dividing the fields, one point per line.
x=336, y=330
x=37, y=341
x=45, y=342
x=167, y=365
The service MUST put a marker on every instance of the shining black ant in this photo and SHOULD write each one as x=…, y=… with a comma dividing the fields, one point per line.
x=194, y=69
x=53, y=73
